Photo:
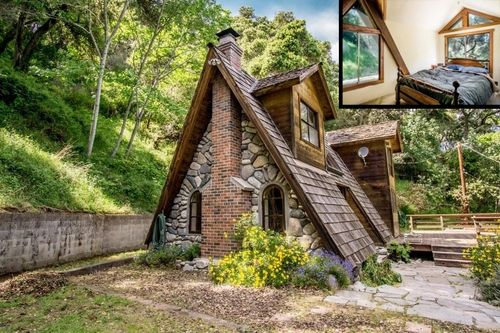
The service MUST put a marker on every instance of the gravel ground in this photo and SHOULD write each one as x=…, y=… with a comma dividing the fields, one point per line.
x=266, y=309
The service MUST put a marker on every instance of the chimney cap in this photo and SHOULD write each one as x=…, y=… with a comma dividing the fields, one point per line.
x=228, y=31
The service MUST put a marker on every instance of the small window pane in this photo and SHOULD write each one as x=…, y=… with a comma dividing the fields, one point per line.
x=303, y=111
x=477, y=20
x=457, y=25
x=313, y=136
x=361, y=57
x=357, y=15
x=304, y=131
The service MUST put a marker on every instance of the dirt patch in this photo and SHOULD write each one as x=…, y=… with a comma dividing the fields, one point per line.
x=261, y=310
x=34, y=284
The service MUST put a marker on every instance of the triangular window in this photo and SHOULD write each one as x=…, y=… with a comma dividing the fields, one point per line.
x=469, y=18
x=457, y=25
x=358, y=16
x=361, y=48
x=478, y=20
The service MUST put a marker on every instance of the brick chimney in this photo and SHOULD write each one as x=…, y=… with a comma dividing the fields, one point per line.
x=229, y=46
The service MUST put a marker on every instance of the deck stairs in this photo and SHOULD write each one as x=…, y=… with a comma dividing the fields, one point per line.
x=447, y=247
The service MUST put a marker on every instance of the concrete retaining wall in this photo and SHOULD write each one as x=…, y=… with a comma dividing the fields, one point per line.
x=32, y=240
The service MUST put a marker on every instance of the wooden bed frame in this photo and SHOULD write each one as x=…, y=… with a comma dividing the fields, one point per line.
x=415, y=97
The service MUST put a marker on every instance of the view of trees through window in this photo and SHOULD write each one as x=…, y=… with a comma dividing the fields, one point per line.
x=475, y=46
x=477, y=20
x=360, y=50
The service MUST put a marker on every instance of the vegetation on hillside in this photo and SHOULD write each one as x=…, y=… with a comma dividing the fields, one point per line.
x=427, y=170
x=51, y=64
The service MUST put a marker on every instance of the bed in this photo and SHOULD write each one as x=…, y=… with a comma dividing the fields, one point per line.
x=446, y=86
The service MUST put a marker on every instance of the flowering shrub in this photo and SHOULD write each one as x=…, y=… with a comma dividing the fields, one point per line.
x=245, y=221
x=485, y=256
x=316, y=271
x=266, y=258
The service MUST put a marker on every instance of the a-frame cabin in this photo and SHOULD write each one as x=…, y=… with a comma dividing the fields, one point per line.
x=259, y=146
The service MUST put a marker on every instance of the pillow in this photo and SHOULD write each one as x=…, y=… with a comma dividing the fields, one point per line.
x=474, y=70
x=455, y=67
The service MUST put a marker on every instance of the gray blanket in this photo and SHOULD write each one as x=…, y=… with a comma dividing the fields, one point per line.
x=475, y=89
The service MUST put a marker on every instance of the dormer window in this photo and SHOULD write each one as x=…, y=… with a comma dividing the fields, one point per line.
x=309, y=125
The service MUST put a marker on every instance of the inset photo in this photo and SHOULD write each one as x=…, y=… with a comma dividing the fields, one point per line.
x=425, y=53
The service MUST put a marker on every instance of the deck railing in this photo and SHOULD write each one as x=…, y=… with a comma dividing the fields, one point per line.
x=479, y=222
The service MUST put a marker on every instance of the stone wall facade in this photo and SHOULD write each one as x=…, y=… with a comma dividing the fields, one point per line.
x=259, y=170
x=197, y=177
x=33, y=240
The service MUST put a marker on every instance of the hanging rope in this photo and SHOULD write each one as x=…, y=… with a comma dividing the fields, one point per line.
x=479, y=153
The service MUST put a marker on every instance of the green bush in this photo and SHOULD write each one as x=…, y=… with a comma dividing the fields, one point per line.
x=490, y=290
x=168, y=255
x=399, y=252
x=191, y=252
x=266, y=258
x=376, y=274
x=245, y=221
x=485, y=257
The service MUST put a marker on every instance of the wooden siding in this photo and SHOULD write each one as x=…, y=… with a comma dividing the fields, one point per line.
x=304, y=150
x=279, y=106
x=374, y=178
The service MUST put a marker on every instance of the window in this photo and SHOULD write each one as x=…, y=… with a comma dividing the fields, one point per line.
x=476, y=46
x=273, y=209
x=478, y=20
x=361, y=49
x=309, y=125
x=469, y=18
x=195, y=213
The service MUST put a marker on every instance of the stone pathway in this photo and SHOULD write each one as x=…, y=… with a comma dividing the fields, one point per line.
x=435, y=292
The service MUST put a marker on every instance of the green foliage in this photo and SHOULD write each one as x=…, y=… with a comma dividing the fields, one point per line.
x=281, y=44
x=485, y=257
x=399, y=251
x=168, y=255
x=245, y=221
x=490, y=289
x=375, y=274
x=266, y=258
x=191, y=252
x=43, y=132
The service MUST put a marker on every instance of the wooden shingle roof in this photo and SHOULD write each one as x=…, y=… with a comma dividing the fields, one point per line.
x=388, y=130
x=315, y=188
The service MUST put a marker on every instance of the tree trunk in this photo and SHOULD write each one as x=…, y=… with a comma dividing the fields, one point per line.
x=19, y=38
x=9, y=36
x=23, y=60
x=97, y=102
x=134, y=132
x=134, y=89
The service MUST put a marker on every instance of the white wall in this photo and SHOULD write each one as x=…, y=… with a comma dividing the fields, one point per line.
x=414, y=25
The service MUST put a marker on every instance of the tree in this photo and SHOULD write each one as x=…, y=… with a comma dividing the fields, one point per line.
x=102, y=37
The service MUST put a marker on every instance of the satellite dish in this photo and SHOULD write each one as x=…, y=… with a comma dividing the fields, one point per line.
x=363, y=152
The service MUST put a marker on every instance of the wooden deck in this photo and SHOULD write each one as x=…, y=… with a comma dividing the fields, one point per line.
x=448, y=235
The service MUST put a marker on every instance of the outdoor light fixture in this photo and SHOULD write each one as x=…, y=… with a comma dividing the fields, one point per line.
x=362, y=153
x=214, y=62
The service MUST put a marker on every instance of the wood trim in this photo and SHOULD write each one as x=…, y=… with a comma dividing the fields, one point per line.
x=472, y=61
x=355, y=28
x=361, y=85
x=418, y=96
x=346, y=5
x=464, y=14
x=386, y=35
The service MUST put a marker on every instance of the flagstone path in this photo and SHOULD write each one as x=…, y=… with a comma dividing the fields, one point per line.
x=435, y=292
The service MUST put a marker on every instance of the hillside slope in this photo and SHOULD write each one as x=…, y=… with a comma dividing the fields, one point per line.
x=43, y=135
